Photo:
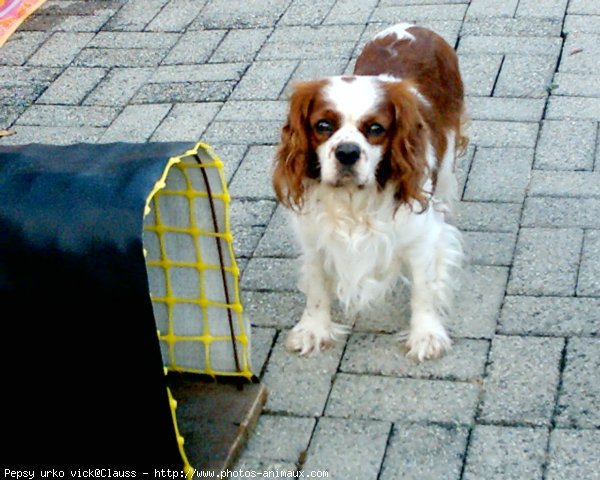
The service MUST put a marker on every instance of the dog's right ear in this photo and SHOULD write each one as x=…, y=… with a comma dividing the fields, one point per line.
x=293, y=157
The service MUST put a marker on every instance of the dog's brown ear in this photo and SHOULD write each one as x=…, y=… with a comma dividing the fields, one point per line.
x=405, y=162
x=293, y=153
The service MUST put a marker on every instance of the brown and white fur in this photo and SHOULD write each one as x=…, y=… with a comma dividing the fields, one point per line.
x=366, y=165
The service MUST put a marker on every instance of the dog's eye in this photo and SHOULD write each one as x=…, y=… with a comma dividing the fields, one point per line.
x=324, y=126
x=375, y=129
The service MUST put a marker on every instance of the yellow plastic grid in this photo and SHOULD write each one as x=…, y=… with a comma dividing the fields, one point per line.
x=200, y=157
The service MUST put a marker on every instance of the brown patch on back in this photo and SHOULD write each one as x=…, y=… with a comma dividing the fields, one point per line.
x=348, y=78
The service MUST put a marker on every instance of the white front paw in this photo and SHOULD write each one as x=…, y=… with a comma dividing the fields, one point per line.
x=308, y=337
x=426, y=344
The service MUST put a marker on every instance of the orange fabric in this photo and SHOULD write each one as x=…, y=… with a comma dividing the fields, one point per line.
x=13, y=13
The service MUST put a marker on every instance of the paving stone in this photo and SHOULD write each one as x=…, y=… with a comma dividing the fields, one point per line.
x=425, y=451
x=118, y=87
x=579, y=399
x=264, y=81
x=488, y=133
x=542, y=8
x=479, y=72
x=573, y=454
x=279, y=239
x=521, y=26
x=68, y=116
x=241, y=45
x=389, y=316
x=10, y=75
x=133, y=40
x=186, y=122
x=135, y=15
x=478, y=301
x=506, y=452
x=323, y=42
x=253, y=110
x=84, y=21
x=510, y=45
x=419, y=13
x=175, y=16
x=521, y=380
x=584, y=7
x=60, y=49
x=588, y=283
x=489, y=248
x=273, y=309
x=245, y=133
x=348, y=448
x=261, y=342
x=508, y=167
x=20, y=46
x=231, y=156
x=493, y=8
x=306, y=12
x=20, y=95
x=488, y=217
x=53, y=135
x=577, y=108
x=194, y=47
x=561, y=212
x=582, y=24
x=253, y=178
x=573, y=84
x=246, y=239
x=525, y=76
x=136, y=123
x=580, y=53
x=533, y=274
x=184, y=92
x=265, y=467
x=350, y=11
x=251, y=213
x=564, y=184
x=314, y=69
x=280, y=437
x=558, y=316
x=120, y=57
x=276, y=274
x=494, y=108
x=72, y=86
x=382, y=354
x=566, y=145
x=402, y=399
x=287, y=374
x=464, y=161
x=240, y=14
x=8, y=114
x=198, y=73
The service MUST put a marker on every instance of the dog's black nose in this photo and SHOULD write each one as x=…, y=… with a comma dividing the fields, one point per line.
x=347, y=153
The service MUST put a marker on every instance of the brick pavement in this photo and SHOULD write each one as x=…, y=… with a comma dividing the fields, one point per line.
x=518, y=396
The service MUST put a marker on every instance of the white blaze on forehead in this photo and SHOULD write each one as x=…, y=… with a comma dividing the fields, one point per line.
x=353, y=97
x=399, y=30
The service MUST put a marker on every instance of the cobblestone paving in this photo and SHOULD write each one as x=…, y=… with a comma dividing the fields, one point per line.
x=519, y=395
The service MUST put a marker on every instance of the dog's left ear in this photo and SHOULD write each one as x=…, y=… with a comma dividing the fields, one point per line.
x=405, y=163
x=292, y=159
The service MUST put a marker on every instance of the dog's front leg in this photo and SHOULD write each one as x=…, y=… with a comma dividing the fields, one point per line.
x=315, y=330
x=427, y=338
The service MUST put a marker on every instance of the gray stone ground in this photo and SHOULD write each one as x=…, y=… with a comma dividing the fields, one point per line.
x=519, y=395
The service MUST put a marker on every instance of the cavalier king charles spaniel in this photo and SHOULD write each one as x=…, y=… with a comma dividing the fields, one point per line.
x=366, y=165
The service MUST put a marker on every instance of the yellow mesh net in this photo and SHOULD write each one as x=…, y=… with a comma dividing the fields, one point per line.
x=192, y=272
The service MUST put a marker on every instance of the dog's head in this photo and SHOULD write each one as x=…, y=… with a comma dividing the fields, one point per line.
x=352, y=131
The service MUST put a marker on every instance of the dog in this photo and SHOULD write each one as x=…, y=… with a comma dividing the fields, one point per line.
x=366, y=166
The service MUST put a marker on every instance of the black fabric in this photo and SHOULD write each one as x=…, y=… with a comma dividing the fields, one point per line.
x=83, y=377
